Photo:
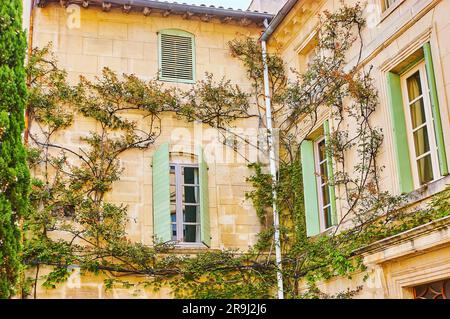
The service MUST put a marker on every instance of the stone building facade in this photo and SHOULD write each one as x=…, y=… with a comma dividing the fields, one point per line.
x=401, y=39
x=87, y=39
x=398, y=32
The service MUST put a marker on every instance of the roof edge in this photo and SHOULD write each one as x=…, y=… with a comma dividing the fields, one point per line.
x=170, y=7
x=279, y=18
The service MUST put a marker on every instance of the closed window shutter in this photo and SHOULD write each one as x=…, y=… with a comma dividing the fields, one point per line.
x=400, y=138
x=176, y=56
x=310, y=189
x=435, y=109
x=161, y=194
x=205, y=223
x=326, y=129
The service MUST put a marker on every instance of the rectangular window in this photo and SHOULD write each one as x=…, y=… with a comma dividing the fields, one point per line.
x=185, y=203
x=420, y=126
x=308, y=53
x=388, y=3
x=323, y=189
x=176, y=56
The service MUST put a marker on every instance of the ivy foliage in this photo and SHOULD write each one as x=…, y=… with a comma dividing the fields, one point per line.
x=14, y=174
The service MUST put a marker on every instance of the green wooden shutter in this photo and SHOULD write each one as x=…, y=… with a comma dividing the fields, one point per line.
x=176, y=56
x=435, y=109
x=401, y=148
x=161, y=194
x=326, y=129
x=310, y=189
x=205, y=223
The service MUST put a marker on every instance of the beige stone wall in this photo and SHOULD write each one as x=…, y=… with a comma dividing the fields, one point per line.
x=387, y=38
x=85, y=41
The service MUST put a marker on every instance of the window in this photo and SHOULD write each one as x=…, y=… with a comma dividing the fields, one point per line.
x=417, y=128
x=388, y=3
x=434, y=290
x=176, y=56
x=323, y=190
x=308, y=52
x=185, y=203
x=180, y=198
x=319, y=192
x=419, y=124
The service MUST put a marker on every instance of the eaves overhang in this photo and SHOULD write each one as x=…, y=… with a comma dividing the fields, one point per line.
x=147, y=7
x=278, y=19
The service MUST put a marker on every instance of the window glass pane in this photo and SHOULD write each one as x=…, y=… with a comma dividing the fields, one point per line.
x=417, y=113
x=325, y=195
x=327, y=217
x=173, y=219
x=421, y=141
x=190, y=233
x=425, y=169
x=191, y=194
x=389, y=3
x=172, y=175
x=173, y=211
x=190, y=175
x=191, y=214
x=323, y=172
x=414, y=86
x=174, y=231
x=173, y=193
x=322, y=154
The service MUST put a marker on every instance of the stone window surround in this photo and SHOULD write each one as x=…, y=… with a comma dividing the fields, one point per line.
x=416, y=241
x=387, y=11
x=401, y=55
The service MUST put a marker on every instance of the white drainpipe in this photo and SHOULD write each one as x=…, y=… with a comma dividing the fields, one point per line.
x=273, y=170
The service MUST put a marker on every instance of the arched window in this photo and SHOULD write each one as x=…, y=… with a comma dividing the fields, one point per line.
x=176, y=56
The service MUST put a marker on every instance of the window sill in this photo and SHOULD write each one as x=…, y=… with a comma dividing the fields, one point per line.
x=176, y=80
x=426, y=191
x=190, y=248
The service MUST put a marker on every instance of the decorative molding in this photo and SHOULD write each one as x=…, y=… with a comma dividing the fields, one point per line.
x=126, y=8
x=406, y=51
x=146, y=11
x=412, y=241
x=106, y=6
x=392, y=32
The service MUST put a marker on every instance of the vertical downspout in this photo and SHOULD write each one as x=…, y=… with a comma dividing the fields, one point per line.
x=273, y=169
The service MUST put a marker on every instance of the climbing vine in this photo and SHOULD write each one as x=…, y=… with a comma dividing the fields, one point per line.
x=72, y=222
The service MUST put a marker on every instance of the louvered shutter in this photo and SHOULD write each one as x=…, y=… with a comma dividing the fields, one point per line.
x=177, y=55
x=161, y=194
x=204, y=201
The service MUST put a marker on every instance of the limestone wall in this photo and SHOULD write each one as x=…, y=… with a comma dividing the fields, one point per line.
x=87, y=40
x=387, y=38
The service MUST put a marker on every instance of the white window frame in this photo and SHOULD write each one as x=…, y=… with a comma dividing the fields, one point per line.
x=428, y=123
x=320, y=184
x=180, y=223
